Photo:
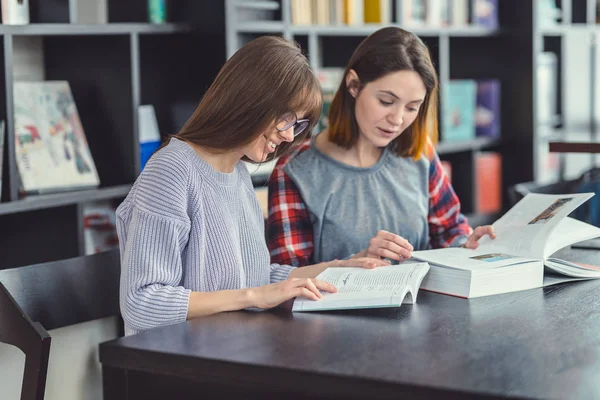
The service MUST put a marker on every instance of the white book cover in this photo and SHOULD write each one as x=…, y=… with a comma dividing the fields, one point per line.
x=52, y=152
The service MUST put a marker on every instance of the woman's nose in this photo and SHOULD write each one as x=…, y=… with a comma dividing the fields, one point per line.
x=288, y=134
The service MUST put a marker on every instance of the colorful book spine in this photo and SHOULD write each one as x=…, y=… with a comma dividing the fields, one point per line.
x=488, y=182
x=148, y=132
x=485, y=13
x=487, y=114
x=458, y=110
x=157, y=11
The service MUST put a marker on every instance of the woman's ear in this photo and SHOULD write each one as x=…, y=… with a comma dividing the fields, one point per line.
x=352, y=83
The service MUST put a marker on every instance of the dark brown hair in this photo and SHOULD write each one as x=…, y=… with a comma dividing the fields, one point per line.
x=263, y=80
x=385, y=51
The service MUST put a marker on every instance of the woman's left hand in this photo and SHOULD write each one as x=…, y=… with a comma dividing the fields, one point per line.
x=478, y=233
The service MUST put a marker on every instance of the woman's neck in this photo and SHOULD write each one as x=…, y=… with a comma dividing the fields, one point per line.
x=362, y=154
x=222, y=162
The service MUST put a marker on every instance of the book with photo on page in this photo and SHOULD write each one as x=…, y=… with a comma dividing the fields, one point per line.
x=389, y=286
x=520, y=257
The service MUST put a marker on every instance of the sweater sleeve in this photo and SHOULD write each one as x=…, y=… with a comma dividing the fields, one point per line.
x=280, y=272
x=153, y=228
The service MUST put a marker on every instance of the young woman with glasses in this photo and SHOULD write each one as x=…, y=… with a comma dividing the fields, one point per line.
x=371, y=184
x=191, y=230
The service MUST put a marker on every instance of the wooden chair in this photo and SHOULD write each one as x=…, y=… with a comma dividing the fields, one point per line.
x=54, y=295
x=17, y=329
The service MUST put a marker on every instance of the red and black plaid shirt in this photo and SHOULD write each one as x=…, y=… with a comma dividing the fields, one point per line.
x=290, y=232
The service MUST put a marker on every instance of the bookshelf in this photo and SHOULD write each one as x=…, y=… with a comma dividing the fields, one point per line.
x=112, y=68
x=459, y=52
x=567, y=88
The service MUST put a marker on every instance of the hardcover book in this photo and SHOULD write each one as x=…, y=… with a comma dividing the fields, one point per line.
x=52, y=152
x=521, y=255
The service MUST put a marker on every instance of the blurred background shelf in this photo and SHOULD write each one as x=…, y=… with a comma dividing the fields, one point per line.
x=118, y=28
x=470, y=145
x=38, y=202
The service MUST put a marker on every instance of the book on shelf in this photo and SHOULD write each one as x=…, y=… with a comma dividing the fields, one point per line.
x=377, y=12
x=353, y=12
x=520, y=257
x=15, y=12
x=485, y=13
x=458, y=110
x=382, y=287
x=488, y=182
x=52, y=152
x=487, y=108
x=330, y=79
x=149, y=134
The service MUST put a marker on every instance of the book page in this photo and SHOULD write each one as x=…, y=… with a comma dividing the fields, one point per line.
x=569, y=231
x=468, y=259
x=525, y=228
x=359, y=288
x=573, y=269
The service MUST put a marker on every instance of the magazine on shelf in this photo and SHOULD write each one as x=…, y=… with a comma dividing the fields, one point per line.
x=52, y=152
x=382, y=287
x=521, y=255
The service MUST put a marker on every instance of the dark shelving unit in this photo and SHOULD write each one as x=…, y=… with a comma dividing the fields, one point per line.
x=470, y=52
x=112, y=69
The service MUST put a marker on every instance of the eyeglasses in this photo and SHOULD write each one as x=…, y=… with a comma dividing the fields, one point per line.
x=286, y=121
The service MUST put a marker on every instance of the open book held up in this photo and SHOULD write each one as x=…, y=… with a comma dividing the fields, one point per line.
x=520, y=256
x=368, y=288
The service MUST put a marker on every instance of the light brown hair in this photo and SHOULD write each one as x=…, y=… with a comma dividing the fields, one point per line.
x=263, y=80
x=385, y=51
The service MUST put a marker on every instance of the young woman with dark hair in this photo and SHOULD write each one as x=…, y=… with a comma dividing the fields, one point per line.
x=371, y=184
x=191, y=230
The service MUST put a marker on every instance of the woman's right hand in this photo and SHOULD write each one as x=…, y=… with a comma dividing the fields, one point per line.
x=388, y=245
x=272, y=295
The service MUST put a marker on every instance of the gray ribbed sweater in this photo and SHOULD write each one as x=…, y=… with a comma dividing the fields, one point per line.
x=186, y=227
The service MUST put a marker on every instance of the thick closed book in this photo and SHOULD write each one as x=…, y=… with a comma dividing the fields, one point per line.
x=388, y=286
x=521, y=255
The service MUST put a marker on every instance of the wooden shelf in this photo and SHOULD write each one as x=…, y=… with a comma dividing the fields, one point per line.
x=92, y=29
x=38, y=202
x=468, y=145
x=574, y=147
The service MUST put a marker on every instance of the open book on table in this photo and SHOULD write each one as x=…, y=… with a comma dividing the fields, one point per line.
x=388, y=286
x=520, y=256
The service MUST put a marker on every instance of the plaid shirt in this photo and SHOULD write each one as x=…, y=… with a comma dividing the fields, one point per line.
x=290, y=232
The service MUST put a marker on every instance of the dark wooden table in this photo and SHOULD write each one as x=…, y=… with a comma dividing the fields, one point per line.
x=540, y=343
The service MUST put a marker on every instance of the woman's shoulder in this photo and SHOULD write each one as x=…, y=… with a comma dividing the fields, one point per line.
x=301, y=148
x=167, y=172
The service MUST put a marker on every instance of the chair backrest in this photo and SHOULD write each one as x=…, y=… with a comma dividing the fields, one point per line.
x=52, y=295
x=17, y=329
x=67, y=292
